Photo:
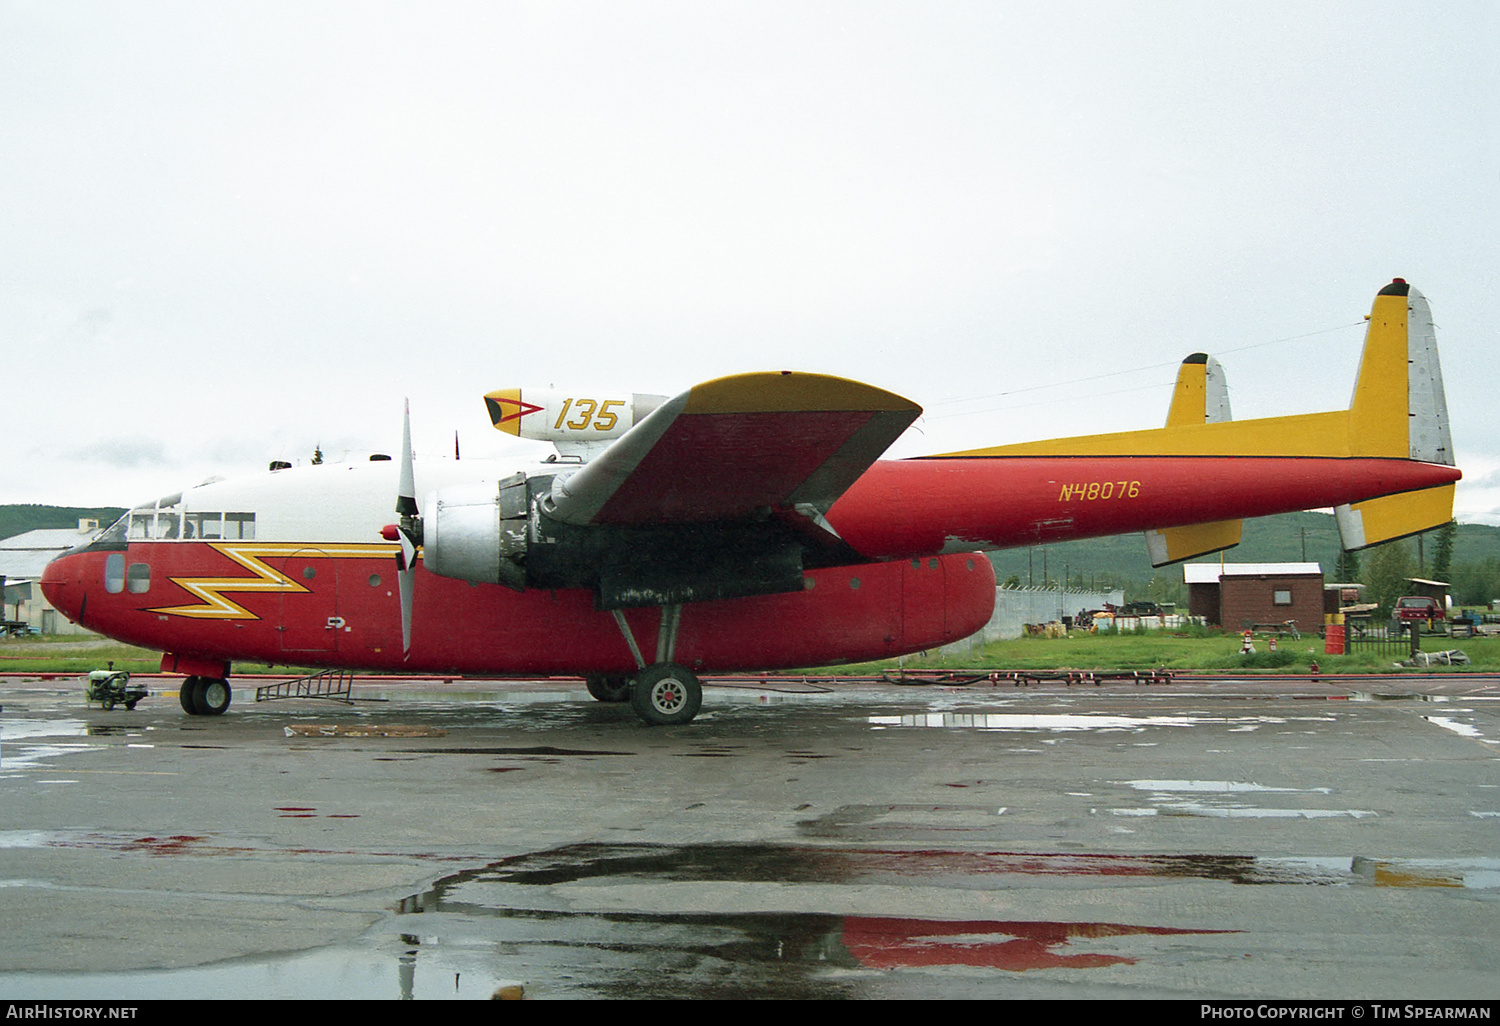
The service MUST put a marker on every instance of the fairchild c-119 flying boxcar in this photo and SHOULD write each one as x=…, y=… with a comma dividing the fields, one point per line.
x=748, y=523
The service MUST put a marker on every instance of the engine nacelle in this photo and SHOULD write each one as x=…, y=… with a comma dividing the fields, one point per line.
x=501, y=533
x=479, y=533
x=568, y=417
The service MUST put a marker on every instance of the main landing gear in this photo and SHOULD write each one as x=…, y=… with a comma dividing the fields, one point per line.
x=609, y=689
x=666, y=694
x=205, y=696
x=663, y=693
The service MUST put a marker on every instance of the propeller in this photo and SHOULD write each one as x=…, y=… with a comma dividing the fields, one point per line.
x=408, y=531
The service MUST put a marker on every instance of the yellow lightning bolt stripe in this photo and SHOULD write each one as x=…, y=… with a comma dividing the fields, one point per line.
x=215, y=606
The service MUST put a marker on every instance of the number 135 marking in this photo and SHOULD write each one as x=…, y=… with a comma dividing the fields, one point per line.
x=589, y=413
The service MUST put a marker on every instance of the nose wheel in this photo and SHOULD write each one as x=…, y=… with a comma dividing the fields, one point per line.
x=666, y=694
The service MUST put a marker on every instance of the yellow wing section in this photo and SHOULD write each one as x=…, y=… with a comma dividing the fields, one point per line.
x=735, y=447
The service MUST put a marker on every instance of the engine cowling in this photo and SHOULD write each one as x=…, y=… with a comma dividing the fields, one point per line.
x=479, y=533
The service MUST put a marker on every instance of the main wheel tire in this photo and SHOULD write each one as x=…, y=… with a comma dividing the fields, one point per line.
x=666, y=694
x=191, y=688
x=609, y=689
x=212, y=697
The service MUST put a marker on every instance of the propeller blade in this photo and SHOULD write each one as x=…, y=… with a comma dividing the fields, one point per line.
x=405, y=580
x=406, y=497
x=406, y=559
x=409, y=532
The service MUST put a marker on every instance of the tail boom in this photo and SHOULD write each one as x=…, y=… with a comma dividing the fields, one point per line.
x=906, y=508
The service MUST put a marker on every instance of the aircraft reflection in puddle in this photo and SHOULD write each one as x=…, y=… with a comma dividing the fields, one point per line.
x=525, y=919
x=532, y=911
x=1016, y=947
x=636, y=953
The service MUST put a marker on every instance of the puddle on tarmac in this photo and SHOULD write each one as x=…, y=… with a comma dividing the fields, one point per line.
x=17, y=758
x=1219, y=786
x=534, y=912
x=1245, y=812
x=26, y=744
x=1076, y=721
x=537, y=920
x=1460, y=728
x=1476, y=874
x=443, y=953
x=1219, y=799
x=969, y=870
x=20, y=730
x=1379, y=696
x=203, y=845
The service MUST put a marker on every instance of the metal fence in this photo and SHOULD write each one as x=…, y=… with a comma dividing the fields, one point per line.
x=1383, y=641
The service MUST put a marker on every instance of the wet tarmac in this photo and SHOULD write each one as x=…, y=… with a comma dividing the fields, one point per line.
x=1206, y=839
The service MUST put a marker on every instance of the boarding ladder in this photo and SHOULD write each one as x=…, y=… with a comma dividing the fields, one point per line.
x=333, y=685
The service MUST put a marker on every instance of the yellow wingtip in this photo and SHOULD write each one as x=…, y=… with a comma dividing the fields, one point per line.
x=789, y=392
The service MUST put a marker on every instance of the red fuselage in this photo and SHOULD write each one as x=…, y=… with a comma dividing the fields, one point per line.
x=310, y=592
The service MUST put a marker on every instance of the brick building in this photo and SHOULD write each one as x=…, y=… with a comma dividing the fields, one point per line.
x=1237, y=595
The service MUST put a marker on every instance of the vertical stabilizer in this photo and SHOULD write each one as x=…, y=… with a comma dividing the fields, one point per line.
x=1430, y=439
x=1200, y=397
x=1399, y=374
x=1399, y=410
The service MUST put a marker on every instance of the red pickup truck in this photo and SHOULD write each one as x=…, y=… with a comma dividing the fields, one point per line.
x=1418, y=607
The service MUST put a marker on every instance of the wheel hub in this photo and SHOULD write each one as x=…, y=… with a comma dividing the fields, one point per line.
x=668, y=696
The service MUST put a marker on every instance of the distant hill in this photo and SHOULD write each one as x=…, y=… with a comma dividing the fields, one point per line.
x=1286, y=538
x=18, y=519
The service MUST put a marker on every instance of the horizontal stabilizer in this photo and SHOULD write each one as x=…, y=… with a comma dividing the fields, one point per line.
x=1394, y=516
x=1174, y=544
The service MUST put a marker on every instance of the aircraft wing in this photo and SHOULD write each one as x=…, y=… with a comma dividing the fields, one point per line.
x=738, y=447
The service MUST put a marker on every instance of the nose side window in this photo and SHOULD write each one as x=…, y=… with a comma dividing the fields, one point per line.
x=114, y=573
x=138, y=577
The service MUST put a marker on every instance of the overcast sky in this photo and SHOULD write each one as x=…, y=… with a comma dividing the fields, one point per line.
x=233, y=232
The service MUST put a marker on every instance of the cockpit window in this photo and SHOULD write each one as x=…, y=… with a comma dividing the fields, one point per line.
x=239, y=525
x=117, y=533
x=204, y=525
x=148, y=526
x=146, y=523
x=215, y=526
